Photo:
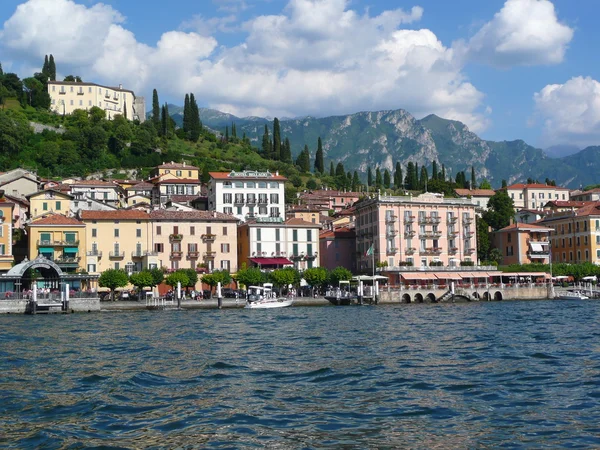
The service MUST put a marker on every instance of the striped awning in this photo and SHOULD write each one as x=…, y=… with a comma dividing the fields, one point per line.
x=448, y=276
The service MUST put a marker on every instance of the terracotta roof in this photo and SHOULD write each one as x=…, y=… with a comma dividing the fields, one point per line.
x=60, y=187
x=342, y=232
x=525, y=227
x=475, y=192
x=296, y=221
x=180, y=181
x=568, y=203
x=174, y=165
x=591, y=209
x=183, y=198
x=56, y=219
x=535, y=186
x=227, y=176
x=65, y=193
x=94, y=183
x=83, y=83
x=118, y=214
x=325, y=193
x=162, y=214
x=144, y=185
x=21, y=200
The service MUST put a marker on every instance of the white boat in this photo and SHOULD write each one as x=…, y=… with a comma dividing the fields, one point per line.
x=572, y=295
x=262, y=297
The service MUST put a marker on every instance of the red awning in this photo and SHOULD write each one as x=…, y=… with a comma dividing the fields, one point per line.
x=272, y=261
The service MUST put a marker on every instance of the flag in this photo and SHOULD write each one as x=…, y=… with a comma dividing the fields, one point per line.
x=370, y=251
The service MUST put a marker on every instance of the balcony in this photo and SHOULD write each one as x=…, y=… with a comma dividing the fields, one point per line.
x=238, y=200
x=429, y=220
x=150, y=253
x=312, y=255
x=296, y=257
x=409, y=234
x=409, y=219
x=96, y=253
x=453, y=250
x=138, y=255
x=58, y=243
x=392, y=250
x=392, y=233
x=431, y=234
x=410, y=250
x=117, y=255
x=431, y=251
x=453, y=233
x=68, y=261
x=210, y=255
x=452, y=219
x=175, y=255
x=208, y=237
x=251, y=201
x=468, y=220
x=469, y=251
x=391, y=219
x=175, y=237
x=469, y=234
x=262, y=200
x=193, y=255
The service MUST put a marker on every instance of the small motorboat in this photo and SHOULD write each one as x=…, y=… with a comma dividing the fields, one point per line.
x=262, y=297
x=572, y=295
x=341, y=295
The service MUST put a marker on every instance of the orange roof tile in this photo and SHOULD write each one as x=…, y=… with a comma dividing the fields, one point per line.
x=535, y=186
x=525, y=227
x=174, y=165
x=118, y=214
x=56, y=219
x=163, y=214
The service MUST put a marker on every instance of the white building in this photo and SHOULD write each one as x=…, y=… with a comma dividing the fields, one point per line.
x=535, y=196
x=248, y=194
x=67, y=96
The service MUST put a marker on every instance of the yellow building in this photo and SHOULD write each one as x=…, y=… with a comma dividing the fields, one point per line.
x=576, y=234
x=120, y=239
x=48, y=201
x=66, y=97
x=521, y=243
x=177, y=181
x=6, y=213
x=60, y=239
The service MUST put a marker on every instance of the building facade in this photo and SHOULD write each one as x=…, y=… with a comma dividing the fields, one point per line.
x=535, y=195
x=175, y=179
x=7, y=258
x=49, y=201
x=194, y=239
x=337, y=247
x=248, y=194
x=521, y=243
x=66, y=97
x=119, y=239
x=415, y=231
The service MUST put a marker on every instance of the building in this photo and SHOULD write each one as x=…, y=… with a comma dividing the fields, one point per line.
x=119, y=239
x=481, y=197
x=593, y=195
x=329, y=200
x=67, y=96
x=306, y=213
x=271, y=243
x=248, y=194
x=19, y=183
x=60, y=239
x=107, y=192
x=415, y=231
x=529, y=215
x=175, y=179
x=193, y=239
x=337, y=247
x=49, y=201
x=535, y=195
x=521, y=243
x=564, y=205
x=576, y=234
x=7, y=258
x=140, y=192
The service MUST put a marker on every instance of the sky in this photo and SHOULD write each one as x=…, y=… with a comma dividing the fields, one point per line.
x=508, y=69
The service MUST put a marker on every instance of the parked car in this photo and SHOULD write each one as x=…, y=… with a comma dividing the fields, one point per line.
x=228, y=292
x=206, y=294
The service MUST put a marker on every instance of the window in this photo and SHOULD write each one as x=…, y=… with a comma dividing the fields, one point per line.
x=423, y=245
x=258, y=234
x=294, y=235
x=225, y=265
x=71, y=103
x=175, y=230
x=227, y=184
x=117, y=266
x=228, y=210
x=259, y=248
x=224, y=248
x=274, y=185
x=158, y=231
x=277, y=235
x=226, y=198
x=95, y=232
x=159, y=248
x=250, y=184
x=239, y=184
x=116, y=232
x=274, y=211
x=309, y=250
x=274, y=198
x=238, y=210
x=509, y=237
x=262, y=185
x=178, y=173
x=89, y=103
x=192, y=231
x=295, y=249
x=309, y=235
x=91, y=268
x=45, y=206
x=262, y=210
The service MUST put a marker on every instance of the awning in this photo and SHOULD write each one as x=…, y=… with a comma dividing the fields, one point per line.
x=448, y=276
x=71, y=249
x=272, y=261
x=494, y=274
x=46, y=249
x=411, y=276
x=535, y=247
x=479, y=274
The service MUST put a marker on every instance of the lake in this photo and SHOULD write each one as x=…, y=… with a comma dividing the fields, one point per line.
x=476, y=375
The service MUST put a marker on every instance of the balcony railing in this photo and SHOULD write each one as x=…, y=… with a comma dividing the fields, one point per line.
x=453, y=250
x=175, y=237
x=468, y=220
x=97, y=253
x=262, y=201
x=210, y=254
x=238, y=201
x=139, y=254
x=431, y=251
x=392, y=250
x=391, y=219
x=193, y=255
x=58, y=243
x=453, y=233
x=296, y=257
x=409, y=234
x=176, y=255
x=409, y=219
x=410, y=250
x=311, y=255
x=429, y=220
x=392, y=233
x=150, y=253
x=117, y=254
x=469, y=251
x=68, y=261
x=452, y=219
x=208, y=237
x=251, y=201
x=431, y=234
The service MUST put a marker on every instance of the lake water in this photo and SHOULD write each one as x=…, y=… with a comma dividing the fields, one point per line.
x=481, y=375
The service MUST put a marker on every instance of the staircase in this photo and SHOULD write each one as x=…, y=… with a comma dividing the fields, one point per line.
x=445, y=297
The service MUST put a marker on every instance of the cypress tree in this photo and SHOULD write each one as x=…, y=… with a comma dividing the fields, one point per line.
x=369, y=176
x=46, y=67
x=187, y=114
x=434, y=170
x=319, y=163
x=155, y=110
x=233, y=130
x=227, y=133
x=276, y=140
x=417, y=180
x=411, y=182
x=424, y=178
x=386, y=179
x=378, y=180
x=304, y=160
x=195, y=123
x=443, y=172
x=349, y=180
x=339, y=170
x=125, y=109
x=1, y=71
x=286, y=151
x=331, y=170
x=473, y=184
x=165, y=120
x=398, y=180
x=355, y=182
x=52, y=68
x=504, y=184
x=265, y=143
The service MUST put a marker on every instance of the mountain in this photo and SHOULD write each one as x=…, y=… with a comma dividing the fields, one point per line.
x=382, y=138
x=558, y=151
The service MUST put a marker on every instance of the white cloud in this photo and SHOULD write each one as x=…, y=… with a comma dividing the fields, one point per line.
x=570, y=112
x=317, y=57
x=523, y=32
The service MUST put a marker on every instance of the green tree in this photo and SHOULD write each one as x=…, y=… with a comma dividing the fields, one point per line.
x=504, y=184
x=355, y=182
x=434, y=170
x=218, y=276
x=398, y=179
x=51, y=68
x=284, y=277
x=252, y=276
x=155, y=110
x=369, y=176
x=485, y=184
x=473, y=181
x=276, y=140
x=177, y=277
x=331, y=169
x=195, y=122
x=141, y=280
x=386, y=179
x=266, y=150
x=495, y=256
x=286, y=151
x=158, y=277
x=187, y=115
x=192, y=278
x=378, y=179
x=483, y=239
x=424, y=178
x=319, y=163
x=500, y=211
x=315, y=276
x=45, y=67
x=113, y=279
x=339, y=274
x=339, y=170
x=311, y=184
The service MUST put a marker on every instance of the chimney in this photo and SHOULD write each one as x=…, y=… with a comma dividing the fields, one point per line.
x=120, y=86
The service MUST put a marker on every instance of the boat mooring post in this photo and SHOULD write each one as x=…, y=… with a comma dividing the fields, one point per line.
x=66, y=298
x=360, y=292
x=219, y=297
x=34, y=298
x=178, y=294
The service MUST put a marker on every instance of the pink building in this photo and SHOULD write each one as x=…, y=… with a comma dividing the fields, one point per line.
x=423, y=231
x=325, y=199
x=337, y=247
x=522, y=243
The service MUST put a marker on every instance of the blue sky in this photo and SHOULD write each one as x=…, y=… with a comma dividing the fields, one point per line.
x=509, y=69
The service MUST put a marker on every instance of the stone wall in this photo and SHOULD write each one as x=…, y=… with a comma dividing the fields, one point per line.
x=75, y=305
x=528, y=292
